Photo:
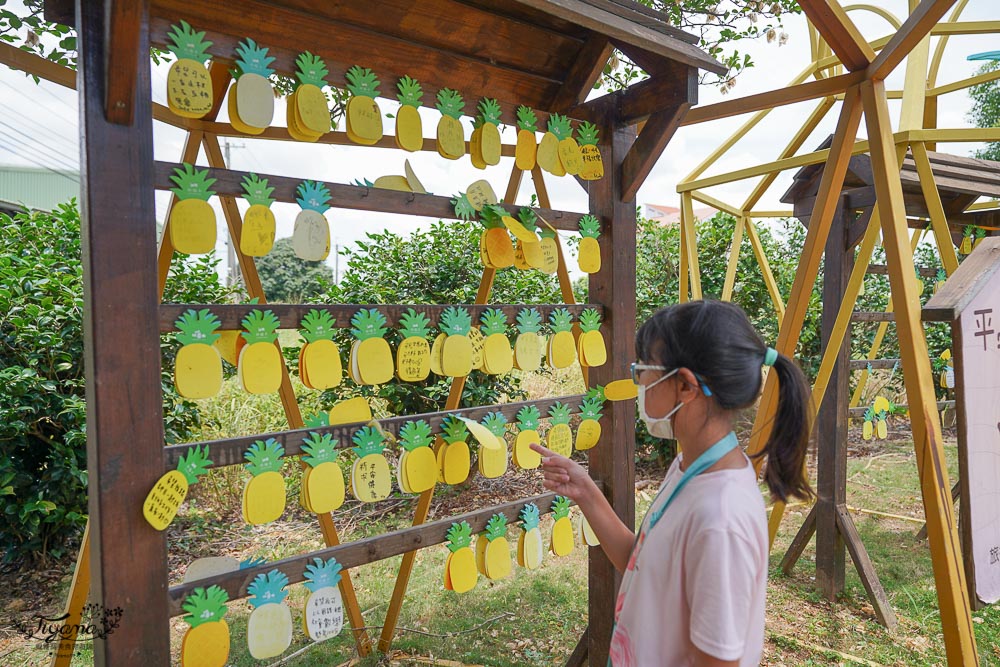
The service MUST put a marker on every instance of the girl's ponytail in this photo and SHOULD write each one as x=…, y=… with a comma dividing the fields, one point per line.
x=787, y=444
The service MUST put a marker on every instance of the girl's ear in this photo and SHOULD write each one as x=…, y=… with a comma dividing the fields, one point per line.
x=689, y=388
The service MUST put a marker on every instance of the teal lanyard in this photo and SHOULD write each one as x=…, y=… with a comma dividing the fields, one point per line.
x=708, y=458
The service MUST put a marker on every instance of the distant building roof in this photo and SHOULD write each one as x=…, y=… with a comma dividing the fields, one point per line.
x=36, y=188
x=670, y=215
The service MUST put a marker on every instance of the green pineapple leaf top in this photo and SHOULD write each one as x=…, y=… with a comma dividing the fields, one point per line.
x=247, y=563
x=496, y=527
x=590, y=226
x=410, y=92
x=528, y=418
x=455, y=321
x=546, y=231
x=464, y=210
x=187, y=44
x=529, y=320
x=526, y=119
x=415, y=434
x=322, y=574
x=941, y=276
x=968, y=231
x=496, y=423
x=454, y=430
x=311, y=70
x=205, y=605
x=260, y=326
x=492, y=216
x=313, y=196
x=194, y=463
x=414, y=325
x=560, y=507
x=559, y=125
x=529, y=516
x=561, y=320
x=264, y=456
x=319, y=449
x=450, y=103
x=268, y=588
x=881, y=415
x=980, y=233
x=459, y=536
x=590, y=408
x=192, y=183
x=586, y=134
x=869, y=415
x=494, y=322
x=489, y=111
x=257, y=191
x=317, y=325
x=197, y=327
x=559, y=413
x=590, y=319
x=368, y=441
x=367, y=324
x=362, y=82
x=365, y=183
x=318, y=420
x=253, y=59
x=528, y=218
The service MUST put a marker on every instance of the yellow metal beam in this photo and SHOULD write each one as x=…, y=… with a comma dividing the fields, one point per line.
x=962, y=84
x=691, y=236
x=770, y=214
x=942, y=44
x=939, y=220
x=734, y=259
x=916, y=27
x=716, y=203
x=765, y=269
x=891, y=18
x=966, y=28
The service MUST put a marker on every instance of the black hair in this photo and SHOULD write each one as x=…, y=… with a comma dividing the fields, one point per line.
x=716, y=341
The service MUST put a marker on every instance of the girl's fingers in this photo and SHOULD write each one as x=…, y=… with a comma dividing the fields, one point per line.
x=547, y=453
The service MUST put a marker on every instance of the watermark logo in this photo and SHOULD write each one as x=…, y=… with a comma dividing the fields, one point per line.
x=95, y=622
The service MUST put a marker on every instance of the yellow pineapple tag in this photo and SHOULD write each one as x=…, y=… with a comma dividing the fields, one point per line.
x=352, y=411
x=480, y=194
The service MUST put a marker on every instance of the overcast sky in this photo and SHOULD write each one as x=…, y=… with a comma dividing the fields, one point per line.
x=39, y=126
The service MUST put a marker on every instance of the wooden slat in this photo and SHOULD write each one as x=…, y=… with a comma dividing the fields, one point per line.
x=360, y=552
x=587, y=68
x=866, y=570
x=873, y=317
x=799, y=542
x=915, y=28
x=883, y=270
x=359, y=198
x=28, y=62
x=860, y=412
x=953, y=297
x=840, y=33
x=644, y=16
x=862, y=364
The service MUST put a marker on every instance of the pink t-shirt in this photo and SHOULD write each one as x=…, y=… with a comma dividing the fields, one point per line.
x=699, y=577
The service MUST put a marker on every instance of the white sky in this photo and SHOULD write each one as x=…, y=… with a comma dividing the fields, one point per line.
x=39, y=126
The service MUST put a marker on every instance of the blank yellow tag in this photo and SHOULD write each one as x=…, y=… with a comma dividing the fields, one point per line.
x=520, y=231
x=412, y=180
x=393, y=183
x=621, y=390
x=482, y=434
x=351, y=411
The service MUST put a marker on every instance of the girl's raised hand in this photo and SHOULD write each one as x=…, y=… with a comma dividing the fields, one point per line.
x=563, y=476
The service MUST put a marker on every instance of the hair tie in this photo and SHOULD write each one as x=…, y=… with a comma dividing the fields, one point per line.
x=770, y=356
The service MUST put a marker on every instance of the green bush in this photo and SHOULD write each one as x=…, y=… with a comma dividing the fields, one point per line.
x=288, y=279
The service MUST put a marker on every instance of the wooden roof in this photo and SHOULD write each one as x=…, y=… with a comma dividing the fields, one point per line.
x=972, y=276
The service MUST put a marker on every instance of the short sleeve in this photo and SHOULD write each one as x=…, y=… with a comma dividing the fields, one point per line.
x=720, y=581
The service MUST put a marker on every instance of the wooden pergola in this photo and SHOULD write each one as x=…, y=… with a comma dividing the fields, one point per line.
x=546, y=54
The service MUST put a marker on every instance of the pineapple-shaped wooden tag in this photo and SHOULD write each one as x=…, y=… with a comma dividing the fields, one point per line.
x=198, y=367
x=257, y=235
x=364, y=118
x=530, y=552
x=524, y=456
x=456, y=349
x=562, y=529
x=559, y=439
x=450, y=135
x=621, y=390
x=493, y=551
x=590, y=347
x=460, y=574
x=547, y=156
x=498, y=357
x=264, y=493
x=528, y=251
x=569, y=151
x=495, y=244
x=868, y=428
x=251, y=97
x=589, y=252
x=308, y=113
x=319, y=359
x=189, y=87
x=561, y=351
x=311, y=233
x=210, y=566
x=528, y=344
x=192, y=220
x=352, y=411
x=371, y=479
x=947, y=365
x=479, y=194
x=322, y=482
x=527, y=146
x=549, y=248
x=980, y=235
x=169, y=492
x=493, y=460
x=591, y=164
x=413, y=356
x=454, y=458
x=939, y=280
x=323, y=615
x=968, y=234
x=409, y=127
x=489, y=115
x=585, y=534
x=206, y=641
x=521, y=232
x=260, y=364
x=417, y=469
x=476, y=143
x=269, y=628
x=371, y=358
x=881, y=407
x=588, y=434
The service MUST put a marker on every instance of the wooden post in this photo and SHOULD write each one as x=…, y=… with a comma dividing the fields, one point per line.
x=613, y=287
x=121, y=348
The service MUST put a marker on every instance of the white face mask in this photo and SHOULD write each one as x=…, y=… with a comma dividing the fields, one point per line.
x=658, y=427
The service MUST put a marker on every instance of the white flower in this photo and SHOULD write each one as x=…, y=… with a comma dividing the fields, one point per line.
x=782, y=38
x=771, y=35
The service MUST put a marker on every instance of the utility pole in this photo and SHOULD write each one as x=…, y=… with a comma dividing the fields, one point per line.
x=232, y=268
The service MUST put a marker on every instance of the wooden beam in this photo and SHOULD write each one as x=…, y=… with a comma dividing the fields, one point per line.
x=586, y=70
x=949, y=576
x=29, y=63
x=663, y=91
x=866, y=570
x=646, y=150
x=917, y=25
x=123, y=23
x=840, y=33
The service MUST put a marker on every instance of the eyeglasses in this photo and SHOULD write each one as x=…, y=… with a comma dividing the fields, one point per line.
x=637, y=368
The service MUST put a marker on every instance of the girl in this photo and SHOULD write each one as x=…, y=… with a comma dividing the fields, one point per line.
x=695, y=577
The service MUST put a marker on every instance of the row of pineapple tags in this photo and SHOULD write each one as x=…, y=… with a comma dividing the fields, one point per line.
x=269, y=628
x=192, y=227
x=423, y=463
x=457, y=350
x=190, y=94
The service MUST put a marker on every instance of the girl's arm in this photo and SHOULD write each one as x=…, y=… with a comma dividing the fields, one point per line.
x=702, y=659
x=568, y=478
